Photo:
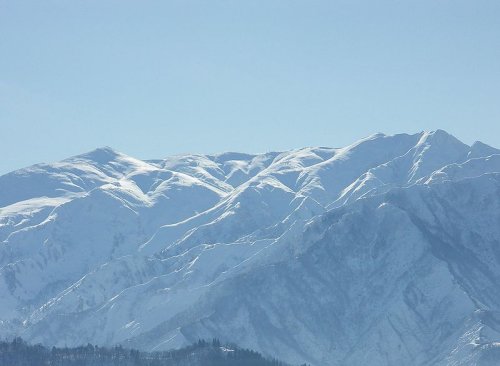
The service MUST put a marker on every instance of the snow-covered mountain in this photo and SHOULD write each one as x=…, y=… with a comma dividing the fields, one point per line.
x=384, y=252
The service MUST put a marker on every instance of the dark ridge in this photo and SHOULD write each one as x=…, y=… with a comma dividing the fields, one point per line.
x=203, y=353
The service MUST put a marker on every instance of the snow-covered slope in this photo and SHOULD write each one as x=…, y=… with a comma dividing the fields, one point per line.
x=384, y=252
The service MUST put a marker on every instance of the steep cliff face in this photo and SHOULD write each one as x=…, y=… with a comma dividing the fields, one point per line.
x=384, y=252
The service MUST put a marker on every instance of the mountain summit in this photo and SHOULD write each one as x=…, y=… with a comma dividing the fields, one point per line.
x=384, y=252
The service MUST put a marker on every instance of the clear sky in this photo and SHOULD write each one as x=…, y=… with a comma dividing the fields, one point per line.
x=155, y=78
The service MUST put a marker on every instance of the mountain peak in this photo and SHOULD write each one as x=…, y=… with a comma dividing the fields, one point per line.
x=480, y=149
x=375, y=136
x=440, y=137
x=440, y=132
x=101, y=155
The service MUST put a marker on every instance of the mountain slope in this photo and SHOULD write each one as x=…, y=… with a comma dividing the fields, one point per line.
x=386, y=250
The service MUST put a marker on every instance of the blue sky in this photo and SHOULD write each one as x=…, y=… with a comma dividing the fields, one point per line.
x=155, y=78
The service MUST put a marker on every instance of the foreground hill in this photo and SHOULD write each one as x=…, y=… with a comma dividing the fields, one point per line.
x=19, y=353
x=384, y=252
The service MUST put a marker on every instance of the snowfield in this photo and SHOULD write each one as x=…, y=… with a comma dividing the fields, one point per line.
x=384, y=252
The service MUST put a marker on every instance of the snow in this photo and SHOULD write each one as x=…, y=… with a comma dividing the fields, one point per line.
x=382, y=252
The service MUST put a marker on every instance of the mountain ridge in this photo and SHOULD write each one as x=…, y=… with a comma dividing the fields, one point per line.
x=105, y=248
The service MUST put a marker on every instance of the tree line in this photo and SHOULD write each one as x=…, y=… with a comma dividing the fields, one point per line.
x=202, y=353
